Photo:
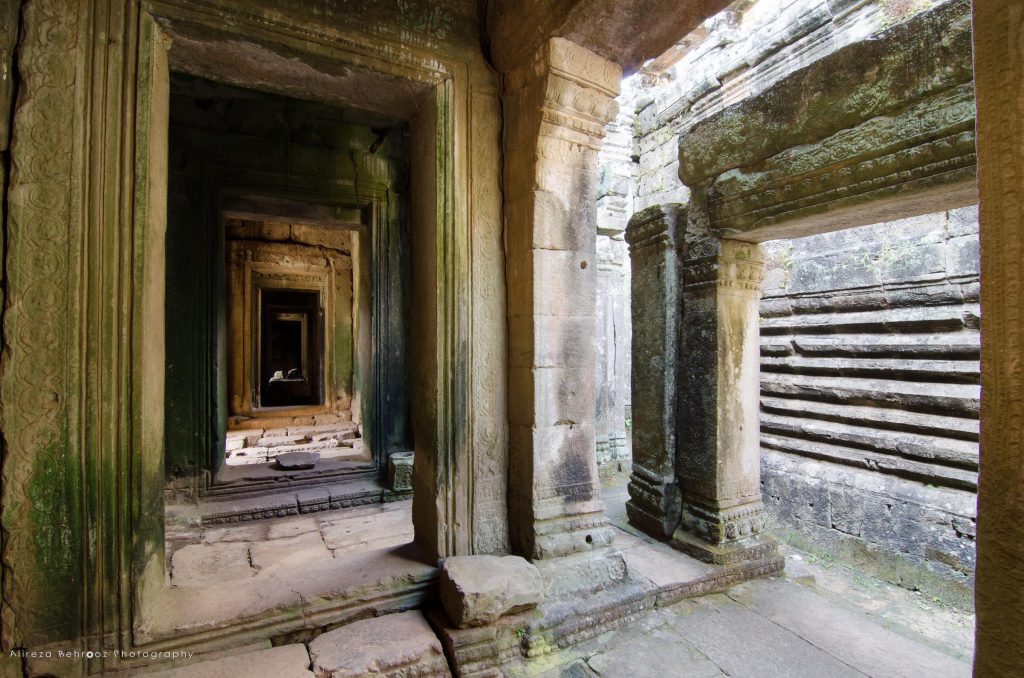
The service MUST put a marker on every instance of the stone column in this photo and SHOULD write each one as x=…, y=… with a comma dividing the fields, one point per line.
x=718, y=456
x=555, y=111
x=999, y=83
x=653, y=504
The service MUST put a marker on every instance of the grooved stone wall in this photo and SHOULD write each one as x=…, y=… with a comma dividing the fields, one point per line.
x=870, y=395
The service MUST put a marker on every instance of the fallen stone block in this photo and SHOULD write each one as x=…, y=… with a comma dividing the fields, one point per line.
x=393, y=645
x=294, y=461
x=476, y=590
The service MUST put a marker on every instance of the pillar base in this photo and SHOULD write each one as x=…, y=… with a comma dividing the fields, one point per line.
x=760, y=547
x=724, y=536
x=654, y=503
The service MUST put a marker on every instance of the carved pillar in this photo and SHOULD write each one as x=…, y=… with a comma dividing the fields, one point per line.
x=555, y=111
x=718, y=457
x=653, y=504
x=999, y=82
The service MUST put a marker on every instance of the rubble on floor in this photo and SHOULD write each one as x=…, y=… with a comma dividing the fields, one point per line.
x=341, y=440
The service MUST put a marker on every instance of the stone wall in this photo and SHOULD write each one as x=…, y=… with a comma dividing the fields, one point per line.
x=870, y=396
x=738, y=53
x=870, y=374
x=616, y=188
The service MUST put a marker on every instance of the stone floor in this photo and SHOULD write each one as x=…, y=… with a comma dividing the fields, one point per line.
x=207, y=555
x=315, y=568
x=820, y=620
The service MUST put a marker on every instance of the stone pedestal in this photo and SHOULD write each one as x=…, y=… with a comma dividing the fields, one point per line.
x=718, y=455
x=556, y=107
x=400, y=471
x=653, y=504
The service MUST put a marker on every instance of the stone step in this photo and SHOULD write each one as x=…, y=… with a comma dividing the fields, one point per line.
x=400, y=644
x=924, y=472
x=285, y=661
x=888, y=321
x=952, y=345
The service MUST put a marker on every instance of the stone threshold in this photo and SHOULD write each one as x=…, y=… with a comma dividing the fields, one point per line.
x=327, y=495
x=656, y=576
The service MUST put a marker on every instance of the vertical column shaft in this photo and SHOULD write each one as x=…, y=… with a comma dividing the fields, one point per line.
x=653, y=505
x=718, y=456
x=555, y=111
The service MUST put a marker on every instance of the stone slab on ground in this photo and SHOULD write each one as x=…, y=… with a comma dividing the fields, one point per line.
x=746, y=645
x=292, y=461
x=657, y=654
x=286, y=661
x=476, y=590
x=663, y=565
x=206, y=564
x=400, y=644
x=297, y=550
x=377, y=530
x=853, y=638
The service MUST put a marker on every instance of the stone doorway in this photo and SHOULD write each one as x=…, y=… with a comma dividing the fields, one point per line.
x=302, y=208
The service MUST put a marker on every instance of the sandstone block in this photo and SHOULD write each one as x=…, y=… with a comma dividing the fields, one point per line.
x=393, y=645
x=297, y=460
x=476, y=590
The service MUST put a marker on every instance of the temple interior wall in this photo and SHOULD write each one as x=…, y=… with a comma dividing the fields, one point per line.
x=870, y=396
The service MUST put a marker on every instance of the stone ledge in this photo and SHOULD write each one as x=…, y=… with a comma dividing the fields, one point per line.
x=514, y=641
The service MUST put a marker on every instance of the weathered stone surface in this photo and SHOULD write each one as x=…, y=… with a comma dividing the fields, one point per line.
x=297, y=460
x=742, y=643
x=656, y=306
x=883, y=478
x=555, y=111
x=286, y=661
x=843, y=143
x=718, y=459
x=476, y=590
x=400, y=471
x=288, y=551
x=205, y=564
x=396, y=645
x=999, y=68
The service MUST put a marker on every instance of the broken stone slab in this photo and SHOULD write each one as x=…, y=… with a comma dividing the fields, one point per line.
x=477, y=590
x=295, y=461
x=393, y=645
